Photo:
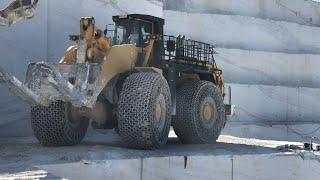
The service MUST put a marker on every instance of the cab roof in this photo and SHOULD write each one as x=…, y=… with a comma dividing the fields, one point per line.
x=150, y=18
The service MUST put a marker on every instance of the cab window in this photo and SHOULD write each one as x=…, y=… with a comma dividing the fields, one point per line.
x=126, y=32
x=133, y=35
x=120, y=35
x=146, y=30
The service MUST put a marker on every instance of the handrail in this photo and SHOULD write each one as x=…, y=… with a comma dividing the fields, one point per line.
x=190, y=51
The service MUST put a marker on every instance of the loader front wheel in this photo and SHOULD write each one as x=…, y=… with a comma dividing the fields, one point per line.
x=200, y=113
x=144, y=115
x=57, y=125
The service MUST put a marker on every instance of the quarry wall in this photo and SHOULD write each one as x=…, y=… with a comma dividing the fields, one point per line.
x=269, y=53
x=242, y=32
x=299, y=11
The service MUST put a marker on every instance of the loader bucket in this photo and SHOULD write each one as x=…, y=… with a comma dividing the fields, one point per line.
x=47, y=82
x=18, y=88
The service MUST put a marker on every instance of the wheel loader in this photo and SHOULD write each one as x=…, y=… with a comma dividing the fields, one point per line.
x=138, y=81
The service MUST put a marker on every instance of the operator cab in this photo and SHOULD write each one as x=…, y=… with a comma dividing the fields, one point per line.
x=136, y=29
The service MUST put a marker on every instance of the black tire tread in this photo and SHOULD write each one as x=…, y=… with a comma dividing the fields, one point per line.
x=186, y=123
x=52, y=127
x=135, y=111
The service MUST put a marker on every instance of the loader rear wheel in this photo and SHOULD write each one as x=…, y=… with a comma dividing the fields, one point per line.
x=56, y=125
x=200, y=113
x=144, y=115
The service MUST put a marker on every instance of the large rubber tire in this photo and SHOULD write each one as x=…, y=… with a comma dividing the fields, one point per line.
x=54, y=125
x=200, y=113
x=144, y=115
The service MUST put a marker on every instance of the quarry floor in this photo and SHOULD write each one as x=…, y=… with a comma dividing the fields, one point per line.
x=103, y=156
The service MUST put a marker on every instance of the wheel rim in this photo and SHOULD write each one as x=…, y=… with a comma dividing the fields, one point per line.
x=160, y=111
x=208, y=112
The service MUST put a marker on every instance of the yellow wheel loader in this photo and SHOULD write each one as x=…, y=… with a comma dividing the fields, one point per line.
x=139, y=81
